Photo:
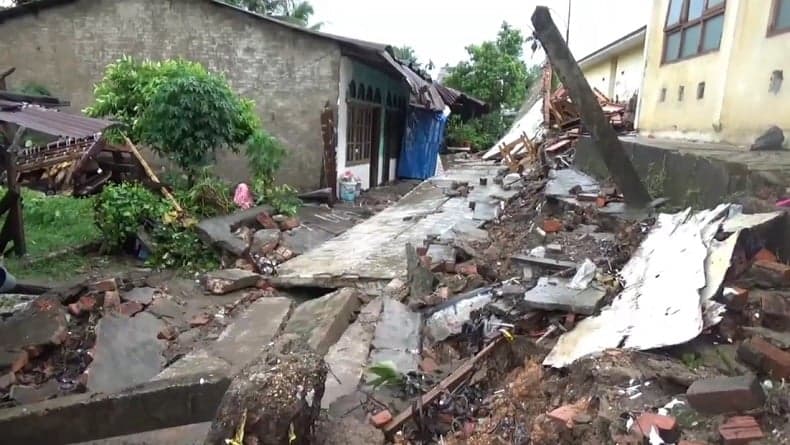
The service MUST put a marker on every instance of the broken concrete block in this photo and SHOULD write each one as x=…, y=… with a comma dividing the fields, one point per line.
x=448, y=318
x=397, y=337
x=224, y=281
x=485, y=211
x=467, y=268
x=130, y=308
x=302, y=240
x=419, y=277
x=265, y=241
x=718, y=395
x=348, y=431
x=127, y=352
x=771, y=272
x=142, y=295
x=442, y=257
x=108, y=285
x=552, y=225
x=41, y=323
x=740, y=430
x=251, y=331
x=348, y=358
x=554, y=248
x=27, y=394
x=765, y=357
x=553, y=294
x=322, y=321
x=280, y=392
x=381, y=418
x=396, y=288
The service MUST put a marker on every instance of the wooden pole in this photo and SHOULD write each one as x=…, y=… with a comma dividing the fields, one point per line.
x=152, y=175
x=15, y=222
x=603, y=135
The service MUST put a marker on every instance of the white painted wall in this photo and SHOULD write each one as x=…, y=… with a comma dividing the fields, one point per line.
x=361, y=171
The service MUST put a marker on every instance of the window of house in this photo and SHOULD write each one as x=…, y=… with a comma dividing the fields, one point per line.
x=693, y=27
x=359, y=134
x=780, y=17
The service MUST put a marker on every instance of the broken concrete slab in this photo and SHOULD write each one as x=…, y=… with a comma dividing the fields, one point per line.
x=304, y=239
x=249, y=333
x=448, y=318
x=544, y=262
x=192, y=434
x=486, y=210
x=323, y=320
x=397, y=337
x=442, y=256
x=165, y=308
x=26, y=394
x=152, y=406
x=348, y=358
x=218, y=232
x=348, y=431
x=127, y=352
x=224, y=281
x=202, y=361
x=41, y=323
x=553, y=294
x=142, y=295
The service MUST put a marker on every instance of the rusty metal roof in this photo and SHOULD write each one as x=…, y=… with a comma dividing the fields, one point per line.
x=54, y=123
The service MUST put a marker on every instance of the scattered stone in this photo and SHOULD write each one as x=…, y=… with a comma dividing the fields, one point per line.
x=201, y=319
x=765, y=357
x=289, y=223
x=510, y=290
x=265, y=241
x=544, y=262
x=565, y=414
x=41, y=323
x=283, y=254
x=127, y=352
x=281, y=393
x=142, y=295
x=419, y=277
x=396, y=289
x=168, y=333
x=27, y=394
x=87, y=303
x=381, y=418
x=164, y=307
x=771, y=273
x=397, y=337
x=719, y=395
x=740, y=430
x=348, y=358
x=552, y=225
x=348, y=431
x=224, y=281
x=13, y=361
x=666, y=426
x=553, y=294
x=130, y=308
x=467, y=268
x=765, y=255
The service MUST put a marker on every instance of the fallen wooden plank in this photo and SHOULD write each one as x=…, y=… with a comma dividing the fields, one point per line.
x=448, y=384
x=545, y=262
x=152, y=175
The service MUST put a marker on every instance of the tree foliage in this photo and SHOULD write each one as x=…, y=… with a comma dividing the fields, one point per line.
x=497, y=74
x=291, y=11
x=184, y=113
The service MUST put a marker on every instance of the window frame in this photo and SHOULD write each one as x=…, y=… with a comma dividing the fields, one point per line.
x=359, y=132
x=772, y=19
x=708, y=13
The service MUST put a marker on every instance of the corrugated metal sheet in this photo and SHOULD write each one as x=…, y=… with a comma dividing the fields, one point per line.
x=55, y=123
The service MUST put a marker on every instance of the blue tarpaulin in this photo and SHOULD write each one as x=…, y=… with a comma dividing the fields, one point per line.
x=421, y=143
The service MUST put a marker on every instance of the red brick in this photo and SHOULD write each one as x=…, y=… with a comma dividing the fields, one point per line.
x=108, y=285
x=290, y=223
x=565, y=414
x=552, y=225
x=601, y=201
x=740, y=430
x=766, y=357
x=130, y=308
x=467, y=268
x=718, y=395
x=777, y=271
x=735, y=297
x=775, y=305
x=168, y=333
x=428, y=365
x=200, y=320
x=112, y=301
x=266, y=221
x=381, y=418
x=87, y=302
x=667, y=426
x=765, y=255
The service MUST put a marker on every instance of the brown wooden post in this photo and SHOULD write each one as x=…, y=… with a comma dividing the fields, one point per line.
x=14, y=226
x=603, y=135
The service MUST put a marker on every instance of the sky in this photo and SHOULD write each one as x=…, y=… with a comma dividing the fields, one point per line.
x=440, y=30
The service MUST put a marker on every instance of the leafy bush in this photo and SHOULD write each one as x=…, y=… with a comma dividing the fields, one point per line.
x=481, y=133
x=121, y=209
x=283, y=198
x=178, y=247
x=209, y=196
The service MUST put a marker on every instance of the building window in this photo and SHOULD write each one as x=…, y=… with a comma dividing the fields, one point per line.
x=693, y=27
x=663, y=96
x=700, y=90
x=780, y=17
x=681, y=93
x=359, y=134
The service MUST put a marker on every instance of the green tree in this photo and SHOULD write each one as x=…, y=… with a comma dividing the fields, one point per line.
x=497, y=74
x=184, y=113
x=297, y=12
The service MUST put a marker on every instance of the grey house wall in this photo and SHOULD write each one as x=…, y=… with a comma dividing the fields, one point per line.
x=289, y=74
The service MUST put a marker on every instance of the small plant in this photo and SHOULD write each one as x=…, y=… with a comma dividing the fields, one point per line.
x=209, y=196
x=283, y=198
x=179, y=247
x=121, y=209
x=385, y=374
x=691, y=360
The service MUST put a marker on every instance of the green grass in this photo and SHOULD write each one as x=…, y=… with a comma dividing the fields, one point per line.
x=53, y=224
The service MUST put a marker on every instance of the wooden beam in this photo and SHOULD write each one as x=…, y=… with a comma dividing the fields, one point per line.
x=603, y=135
x=148, y=171
x=14, y=227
